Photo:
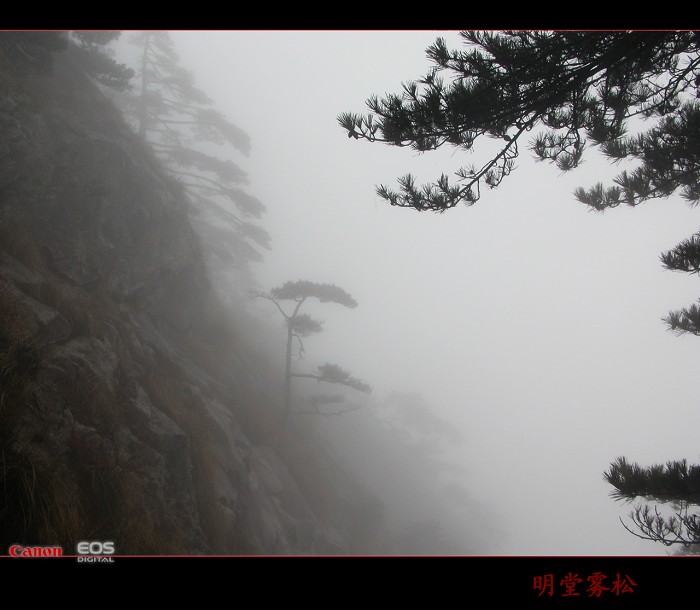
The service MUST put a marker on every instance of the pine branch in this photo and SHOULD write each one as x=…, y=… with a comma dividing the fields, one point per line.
x=567, y=82
x=687, y=320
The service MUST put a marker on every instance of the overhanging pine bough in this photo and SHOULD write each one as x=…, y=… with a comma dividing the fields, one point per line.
x=675, y=483
x=575, y=86
x=568, y=89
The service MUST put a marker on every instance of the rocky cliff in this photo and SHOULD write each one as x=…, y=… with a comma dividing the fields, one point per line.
x=132, y=408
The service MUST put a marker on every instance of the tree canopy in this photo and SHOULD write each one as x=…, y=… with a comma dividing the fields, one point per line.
x=303, y=289
x=90, y=49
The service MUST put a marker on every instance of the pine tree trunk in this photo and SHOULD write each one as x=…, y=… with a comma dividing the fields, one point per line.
x=288, y=371
x=143, y=104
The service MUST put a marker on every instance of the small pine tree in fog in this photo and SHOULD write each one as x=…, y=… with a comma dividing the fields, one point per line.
x=302, y=325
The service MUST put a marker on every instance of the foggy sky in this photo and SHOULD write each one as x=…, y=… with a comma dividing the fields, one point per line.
x=528, y=321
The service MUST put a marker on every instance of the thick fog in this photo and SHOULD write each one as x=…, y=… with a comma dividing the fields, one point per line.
x=527, y=323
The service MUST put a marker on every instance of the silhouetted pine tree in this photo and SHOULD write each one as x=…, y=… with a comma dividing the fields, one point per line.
x=302, y=325
x=180, y=123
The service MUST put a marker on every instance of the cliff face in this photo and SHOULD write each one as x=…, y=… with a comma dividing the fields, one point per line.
x=131, y=409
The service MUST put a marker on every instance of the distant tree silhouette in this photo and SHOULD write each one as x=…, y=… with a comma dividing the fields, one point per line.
x=184, y=129
x=302, y=325
x=32, y=51
x=91, y=51
x=413, y=421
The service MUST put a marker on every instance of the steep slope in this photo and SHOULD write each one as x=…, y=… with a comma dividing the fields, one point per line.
x=132, y=408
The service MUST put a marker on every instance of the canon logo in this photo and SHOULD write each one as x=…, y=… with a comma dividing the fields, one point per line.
x=17, y=550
